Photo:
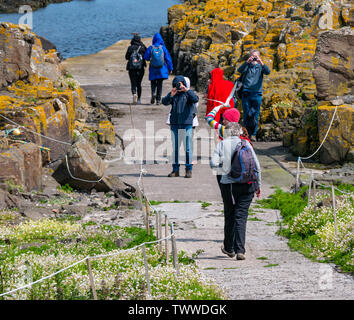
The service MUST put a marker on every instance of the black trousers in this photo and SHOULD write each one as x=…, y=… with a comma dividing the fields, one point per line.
x=136, y=78
x=156, y=88
x=237, y=199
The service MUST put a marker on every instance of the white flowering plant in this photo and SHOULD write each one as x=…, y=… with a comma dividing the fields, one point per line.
x=120, y=276
x=317, y=230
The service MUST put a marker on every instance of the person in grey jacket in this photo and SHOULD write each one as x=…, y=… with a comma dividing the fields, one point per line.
x=237, y=197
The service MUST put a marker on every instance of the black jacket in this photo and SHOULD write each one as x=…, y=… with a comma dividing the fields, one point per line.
x=134, y=45
x=182, y=112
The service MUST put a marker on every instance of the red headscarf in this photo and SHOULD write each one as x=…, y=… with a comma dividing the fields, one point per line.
x=219, y=89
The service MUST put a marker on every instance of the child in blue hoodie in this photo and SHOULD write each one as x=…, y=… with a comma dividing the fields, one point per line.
x=158, y=73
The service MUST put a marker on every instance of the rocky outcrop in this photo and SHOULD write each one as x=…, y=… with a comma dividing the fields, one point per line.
x=8, y=6
x=22, y=166
x=334, y=76
x=84, y=170
x=35, y=93
x=334, y=65
x=42, y=105
x=339, y=145
x=203, y=35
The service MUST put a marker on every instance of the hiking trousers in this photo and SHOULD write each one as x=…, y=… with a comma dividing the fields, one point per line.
x=156, y=89
x=136, y=78
x=237, y=199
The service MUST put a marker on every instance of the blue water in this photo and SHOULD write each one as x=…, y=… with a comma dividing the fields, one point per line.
x=87, y=26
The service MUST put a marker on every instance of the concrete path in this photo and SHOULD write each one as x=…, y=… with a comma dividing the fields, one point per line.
x=271, y=270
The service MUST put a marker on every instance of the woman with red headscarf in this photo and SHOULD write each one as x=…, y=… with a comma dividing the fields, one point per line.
x=219, y=89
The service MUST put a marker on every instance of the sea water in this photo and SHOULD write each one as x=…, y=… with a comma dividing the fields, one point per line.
x=87, y=26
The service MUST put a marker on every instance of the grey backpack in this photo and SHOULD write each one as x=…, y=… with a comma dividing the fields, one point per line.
x=243, y=164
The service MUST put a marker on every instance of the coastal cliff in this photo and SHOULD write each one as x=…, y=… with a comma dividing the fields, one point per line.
x=10, y=6
x=203, y=35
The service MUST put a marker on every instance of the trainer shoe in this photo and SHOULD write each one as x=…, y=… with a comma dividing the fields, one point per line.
x=240, y=256
x=139, y=101
x=253, y=139
x=135, y=98
x=173, y=174
x=230, y=254
x=152, y=101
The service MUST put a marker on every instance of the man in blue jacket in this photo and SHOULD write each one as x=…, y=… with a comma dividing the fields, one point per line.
x=182, y=100
x=160, y=66
x=252, y=72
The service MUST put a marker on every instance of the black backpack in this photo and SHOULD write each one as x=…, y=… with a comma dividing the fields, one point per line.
x=136, y=61
x=239, y=85
x=243, y=164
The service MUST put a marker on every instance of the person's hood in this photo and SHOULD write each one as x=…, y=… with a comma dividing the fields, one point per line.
x=217, y=74
x=157, y=40
x=188, y=82
x=136, y=40
x=178, y=79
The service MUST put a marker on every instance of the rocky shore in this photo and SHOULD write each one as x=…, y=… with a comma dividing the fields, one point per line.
x=11, y=6
x=311, y=63
x=47, y=123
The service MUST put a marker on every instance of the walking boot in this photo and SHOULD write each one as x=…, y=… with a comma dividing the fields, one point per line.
x=152, y=101
x=230, y=254
x=240, y=256
x=188, y=174
x=173, y=174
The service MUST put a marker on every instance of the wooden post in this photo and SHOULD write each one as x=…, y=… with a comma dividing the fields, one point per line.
x=147, y=216
x=334, y=212
x=160, y=231
x=297, y=176
x=174, y=251
x=92, y=280
x=157, y=225
x=309, y=192
x=166, y=241
x=140, y=197
x=314, y=195
x=146, y=270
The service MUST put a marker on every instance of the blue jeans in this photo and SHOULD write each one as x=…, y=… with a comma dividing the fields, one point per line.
x=182, y=133
x=251, y=105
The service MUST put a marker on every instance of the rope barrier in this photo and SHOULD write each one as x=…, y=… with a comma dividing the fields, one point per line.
x=49, y=138
x=82, y=260
x=325, y=137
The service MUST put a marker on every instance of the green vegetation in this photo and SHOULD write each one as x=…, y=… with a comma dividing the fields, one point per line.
x=262, y=258
x=11, y=186
x=65, y=188
x=271, y=265
x=206, y=205
x=35, y=249
x=254, y=219
x=313, y=230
